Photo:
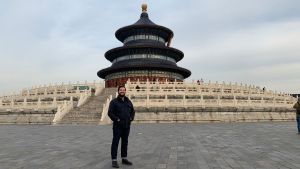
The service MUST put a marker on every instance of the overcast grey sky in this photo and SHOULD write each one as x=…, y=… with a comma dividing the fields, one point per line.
x=52, y=41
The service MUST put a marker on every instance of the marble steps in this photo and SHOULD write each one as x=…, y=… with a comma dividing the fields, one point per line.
x=90, y=112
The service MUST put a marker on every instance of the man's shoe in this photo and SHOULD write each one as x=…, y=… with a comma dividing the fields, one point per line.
x=126, y=162
x=115, y=164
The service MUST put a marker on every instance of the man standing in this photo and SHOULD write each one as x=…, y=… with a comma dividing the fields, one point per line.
x=297, y=107
x=121, y=112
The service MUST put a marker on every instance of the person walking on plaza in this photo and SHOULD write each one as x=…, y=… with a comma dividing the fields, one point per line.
x=297, y=107
x=121, y=112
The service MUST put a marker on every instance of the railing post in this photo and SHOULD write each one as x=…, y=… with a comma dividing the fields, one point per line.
x=285, y=100
x=147, y=100
x=55, y=90
x=12, y=103
x=202, y=101
x=166, y=99
x=66, y=91
x=249, y=101
x=77, y=90
x=28, y=93
x=45, y=91
x=1, y=103
x=184, y=101
x=71, y=101
x=36, y=92
x=54, y=103
x=234, y=101
x=25, y=102
x=39, y=103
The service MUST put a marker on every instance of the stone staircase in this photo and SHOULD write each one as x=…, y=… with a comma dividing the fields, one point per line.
x=90, y=112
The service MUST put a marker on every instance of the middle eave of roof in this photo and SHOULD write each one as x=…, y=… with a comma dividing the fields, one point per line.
x=121, y=51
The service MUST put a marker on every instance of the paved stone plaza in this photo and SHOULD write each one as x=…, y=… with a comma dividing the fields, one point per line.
x=153, y=146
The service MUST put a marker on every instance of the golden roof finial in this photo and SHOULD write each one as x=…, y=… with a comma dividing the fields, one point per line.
x=144, y=7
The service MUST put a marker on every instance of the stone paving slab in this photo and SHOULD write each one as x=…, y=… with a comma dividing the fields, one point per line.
x=153, y=146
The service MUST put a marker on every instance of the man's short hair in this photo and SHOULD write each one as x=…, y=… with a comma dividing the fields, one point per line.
x=121, y=87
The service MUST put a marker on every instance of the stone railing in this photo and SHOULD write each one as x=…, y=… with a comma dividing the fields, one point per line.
x=182, y=94
x=83, y=98
x=50, y=96
x=206, y=103
x=56, y=91
x=104, y=118
x=62, y=111
x=30, y=105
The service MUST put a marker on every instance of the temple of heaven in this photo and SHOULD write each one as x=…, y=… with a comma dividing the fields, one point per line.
x=145, y=55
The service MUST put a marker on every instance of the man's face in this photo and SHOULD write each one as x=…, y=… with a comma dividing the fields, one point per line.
x=122, y=91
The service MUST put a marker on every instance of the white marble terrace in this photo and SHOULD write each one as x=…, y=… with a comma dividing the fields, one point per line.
x=50, y=96
x=151, y=94
x=195, y=94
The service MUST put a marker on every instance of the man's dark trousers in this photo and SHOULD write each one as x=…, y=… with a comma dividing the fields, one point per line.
x=123, y=133
x=298, y=123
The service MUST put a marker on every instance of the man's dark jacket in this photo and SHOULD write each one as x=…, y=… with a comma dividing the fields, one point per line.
x=121, y=112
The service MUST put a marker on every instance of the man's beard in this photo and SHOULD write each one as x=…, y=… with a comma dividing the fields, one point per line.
x=121, y=95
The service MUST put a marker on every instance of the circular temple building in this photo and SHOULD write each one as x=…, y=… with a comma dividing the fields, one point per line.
x=145, y=55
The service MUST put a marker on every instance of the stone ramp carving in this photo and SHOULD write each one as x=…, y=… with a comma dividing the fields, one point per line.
x=90, y=112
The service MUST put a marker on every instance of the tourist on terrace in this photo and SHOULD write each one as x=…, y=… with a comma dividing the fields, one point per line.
x=297, y=107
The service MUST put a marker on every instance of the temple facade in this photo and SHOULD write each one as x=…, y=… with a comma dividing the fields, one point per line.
x=145, y=55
